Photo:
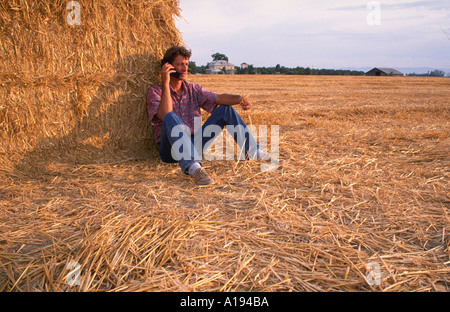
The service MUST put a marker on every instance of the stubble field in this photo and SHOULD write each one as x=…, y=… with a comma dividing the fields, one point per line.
x=360, y=201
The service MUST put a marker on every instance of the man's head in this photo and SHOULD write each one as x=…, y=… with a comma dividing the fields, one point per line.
x=173, y=52
x=178, y=57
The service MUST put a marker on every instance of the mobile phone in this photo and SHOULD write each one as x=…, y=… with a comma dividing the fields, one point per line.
x=176, y=74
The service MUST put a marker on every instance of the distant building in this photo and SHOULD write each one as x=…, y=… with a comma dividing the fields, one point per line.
x=217, y=67
x=384, y=72
x=244, y=65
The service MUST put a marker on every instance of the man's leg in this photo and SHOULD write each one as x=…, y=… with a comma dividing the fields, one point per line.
x=176, y=146
x=227, y=116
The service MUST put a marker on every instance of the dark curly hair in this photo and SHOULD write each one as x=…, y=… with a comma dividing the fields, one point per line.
x=173, y=52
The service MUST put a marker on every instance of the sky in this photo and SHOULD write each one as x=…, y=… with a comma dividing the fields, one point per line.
x=319, y=33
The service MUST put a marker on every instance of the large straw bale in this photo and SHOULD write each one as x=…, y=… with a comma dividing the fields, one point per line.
x=66, y=88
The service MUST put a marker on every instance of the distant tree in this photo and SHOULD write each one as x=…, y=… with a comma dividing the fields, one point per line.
x=201, y=69
x=219, y=57
x=192, y=68
x=241, y=70
x=278, y=68
x=434, y=73
x=437, y=73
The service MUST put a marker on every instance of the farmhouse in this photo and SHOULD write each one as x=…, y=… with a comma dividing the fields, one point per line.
x=384, y=72
x=220, y=66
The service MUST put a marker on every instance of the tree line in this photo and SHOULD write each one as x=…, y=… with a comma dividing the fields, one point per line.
x=282, y=70
x=278, y=70
x=433, y=73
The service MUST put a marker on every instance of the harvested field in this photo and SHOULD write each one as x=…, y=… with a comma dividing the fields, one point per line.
x=363, y=181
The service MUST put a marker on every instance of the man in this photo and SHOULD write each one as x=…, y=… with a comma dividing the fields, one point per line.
x=175, y=104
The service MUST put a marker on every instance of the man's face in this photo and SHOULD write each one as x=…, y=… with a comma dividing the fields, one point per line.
x=181, y=64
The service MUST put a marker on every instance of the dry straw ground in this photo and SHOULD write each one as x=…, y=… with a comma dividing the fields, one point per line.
x=364, y=177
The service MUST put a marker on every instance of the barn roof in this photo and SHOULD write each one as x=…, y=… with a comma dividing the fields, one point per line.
x=388, y=71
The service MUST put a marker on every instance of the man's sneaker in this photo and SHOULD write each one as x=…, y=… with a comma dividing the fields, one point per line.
x=201, y=178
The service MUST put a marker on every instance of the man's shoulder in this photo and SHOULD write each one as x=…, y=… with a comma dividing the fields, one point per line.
x=154, y=94
x=193, y=86
x=190, y=85
x=154, y=90
x=156, y=87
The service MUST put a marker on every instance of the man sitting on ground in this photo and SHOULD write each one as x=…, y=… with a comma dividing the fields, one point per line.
x=176, y=103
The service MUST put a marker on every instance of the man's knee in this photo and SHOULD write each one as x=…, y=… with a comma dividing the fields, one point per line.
x=229, y=109
x=226, y=111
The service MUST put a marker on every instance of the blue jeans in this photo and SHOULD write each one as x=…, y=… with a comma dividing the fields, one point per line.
x=222, y=116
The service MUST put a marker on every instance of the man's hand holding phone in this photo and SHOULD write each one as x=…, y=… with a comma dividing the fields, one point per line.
x=168, y=70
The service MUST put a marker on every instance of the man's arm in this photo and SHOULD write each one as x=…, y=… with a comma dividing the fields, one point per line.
x=231, y=99
x=166, y=104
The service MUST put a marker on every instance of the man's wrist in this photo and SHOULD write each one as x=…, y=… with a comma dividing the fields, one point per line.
x=165, y=85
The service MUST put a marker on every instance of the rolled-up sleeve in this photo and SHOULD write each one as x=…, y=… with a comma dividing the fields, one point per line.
x=153, y=101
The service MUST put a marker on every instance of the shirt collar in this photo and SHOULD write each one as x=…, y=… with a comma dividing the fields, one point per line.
x=183, y=88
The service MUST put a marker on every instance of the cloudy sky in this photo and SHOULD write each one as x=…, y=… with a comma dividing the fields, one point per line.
x=319, y=33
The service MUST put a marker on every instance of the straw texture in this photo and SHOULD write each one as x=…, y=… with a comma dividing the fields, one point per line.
x=86, y=205
x=80, y=86
x=363, y=179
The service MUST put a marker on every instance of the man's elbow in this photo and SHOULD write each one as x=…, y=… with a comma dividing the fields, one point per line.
x=160, y=115
x=217, y=100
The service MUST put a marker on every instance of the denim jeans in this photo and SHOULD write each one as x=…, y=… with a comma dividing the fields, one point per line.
x=222, y=116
